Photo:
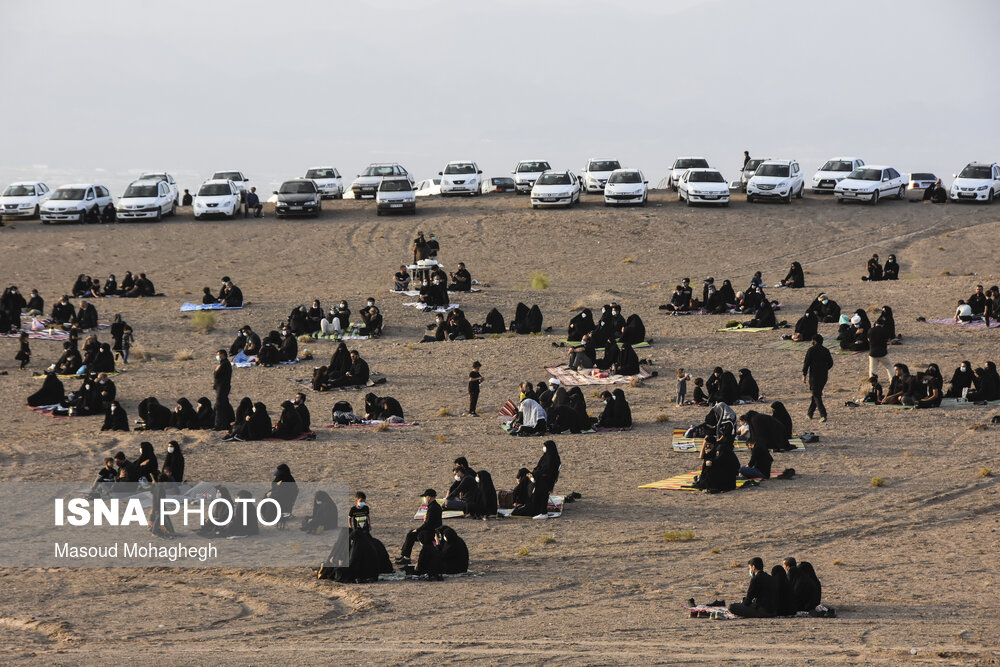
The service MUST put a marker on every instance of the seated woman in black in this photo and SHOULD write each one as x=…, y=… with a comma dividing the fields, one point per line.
x=453, y=550
x=930, y=388
x=156, y=417
x=960, y=379
x=796, y=276
x=494, y=323
x=146, y=462
x=70, y=361
x=115, y=419
x=611, y=354
x=174, y=461
x=289, y=348
x=891, y=269
x=51, y=392
x=284, y=490
x=544, y=477
x=289, y=424
x=765, y=431
x=779, y=412
x=184, y=416
x=984, y=386
x=715, y=304
x=747, y=387
x=888, y=321
x=727, y=390
x=459, y=327
x=806, y=327
x=628, y=361
x=297, y=320
x=719, y=466
x=582, y=323
x=874, y=269
x=324, y=517
x=634, y=331
x=764, y=316
x=759, y=465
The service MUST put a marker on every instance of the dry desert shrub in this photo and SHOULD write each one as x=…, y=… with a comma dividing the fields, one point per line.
x=629, y=260
x=546, y=539
x=384, y=426
x=715, y=550
x=444, y=412
x=140, y=353
x=662, y=418
x=635, y=382
x=878, y=481
x=539, y=281
x=441, y=438
x=203, y=321
x=679, y=536
x=184, y=355
x=945, y=273
x=523, y=551
x=985, y=472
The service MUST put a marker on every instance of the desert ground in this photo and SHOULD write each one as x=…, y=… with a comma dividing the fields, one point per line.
x=911, y=566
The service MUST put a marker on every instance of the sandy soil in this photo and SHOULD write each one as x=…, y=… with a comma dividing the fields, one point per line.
x=912, y=564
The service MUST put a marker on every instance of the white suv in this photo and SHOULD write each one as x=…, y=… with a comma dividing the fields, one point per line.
x=23, y=199
x=367, y=182
x=703, y=186
x=834, y=171
x=525, y=174
x=979, y=181
x=145, y=200
x=166, y=178
x=871, y=183
x=242, y=182
x=681, y=165
x=597, y=172
x=625, y=187
x=80, y=203
x=555, y=188
x=776, y=179
x=217, y=196
x=460, y=177
x=328, y=181
x=395, y=193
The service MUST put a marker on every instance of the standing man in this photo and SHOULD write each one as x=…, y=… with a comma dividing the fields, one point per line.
x=223, y=378
x=187, y=199
x=815, y=370
x=878, y=350
x=746, y=158
x=253, y=202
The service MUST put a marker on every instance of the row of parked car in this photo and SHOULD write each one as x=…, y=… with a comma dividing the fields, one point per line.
x=155, y=195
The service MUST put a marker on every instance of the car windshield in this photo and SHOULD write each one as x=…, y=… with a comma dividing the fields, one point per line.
x=321, y=173
x=296, y=188
x=604, y=165
x=395, y=185
x=529, y=167
x=625, y=177
x=706, y=177
x=752, y=165
x=228, y=176
x=141, y=191
x=923, y=176
x=503, y=181
x=70, y=194
x=19, y=191
x=837, y=165
x=377, y=171
x=975, y=172
x=153, y=177
x=553, y=179
x=780, y=170
x=214, y=190
x=866, y=174
x=461, y=168
x=690, y=163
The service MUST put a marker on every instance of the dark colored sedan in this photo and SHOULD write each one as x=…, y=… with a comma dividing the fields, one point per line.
x=297, y=197
x=500, y=184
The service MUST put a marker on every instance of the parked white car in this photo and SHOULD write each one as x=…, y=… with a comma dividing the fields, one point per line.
x=748, y=171
x=526, y=173
x=242, y=182
x=428, y=187
x=80, y=203
x=626, y=187
x=921, y=180
x=832, y=172
x=703, y=186
x=597, y=172
x=555, y=188
x=460, y=177
x=871, y=183
x=979, y=181
x=145, y=200
x=24, y=199
x=367, y=182
x=681, y=165
x=168, y=179
x=217, y=196
x=328, y=180
x=776, y=179
x=395, y=193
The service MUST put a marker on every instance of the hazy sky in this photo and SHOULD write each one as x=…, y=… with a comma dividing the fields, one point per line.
x=274, y=87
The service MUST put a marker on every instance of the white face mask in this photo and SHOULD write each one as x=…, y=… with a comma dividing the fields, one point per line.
x=964, y=369
x=218, y=358
x=112, y=408
x=614, y=312
x=458, y=478
x=371, y=303
x=361, y=503
x=170, y=449
x=544, y=449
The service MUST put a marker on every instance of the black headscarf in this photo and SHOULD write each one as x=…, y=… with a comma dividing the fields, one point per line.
x=581, y=323
x=779, y=412
x=548, y=465
x=175, y=461
x=748, y=385
x=324, y=514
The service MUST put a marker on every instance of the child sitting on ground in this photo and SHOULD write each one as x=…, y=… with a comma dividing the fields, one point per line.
x=699, y=397
x=875, y=394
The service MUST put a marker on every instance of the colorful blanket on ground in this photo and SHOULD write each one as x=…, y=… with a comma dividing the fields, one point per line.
x=509, y=409
x=506, y=427
x=374, y=378
x=402, y=576
x=705, y=611
x=370, y=422
x=47, y=410
x=685, y=482
x=578, y=378
x=637, y=346
x=425, y=308
x=241, y=360
x=41, y=334
x=350, y=333
x=187, y=307
x=555, y=510
x=41, y=376
x=746, y=329
x=977, y=324
x=413, y=292
x=308, y=435
x=683, y=444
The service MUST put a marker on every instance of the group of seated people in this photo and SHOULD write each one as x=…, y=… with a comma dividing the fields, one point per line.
x=252, y=422
x=97, y=357
x=551, y=408
x=377, y=408
x=273, y=349
x=96, y=394
x=308, y=321
x=926, y=388
x=982, y=306
x=64, y=315
x=13, y=303
x=876, y=271
x=611, y=326
x=229, y=295
x=453, y=326
x=858, y=334
x=716, y=300
x=130, y=286
x=144, y=468
x=790, y=588
x=723, y=387
x=346, y=369
x=936, y=193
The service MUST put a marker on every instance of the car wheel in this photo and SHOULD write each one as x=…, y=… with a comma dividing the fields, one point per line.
x=159, y=215
x=901, y=195
x=95, y=215
x=801, y=191
x=533, y=206
x=874, y=201
x=378, y=212
x=37, y=213
x=645, y=198
x=788, y=199
x=840, y=200
x=750, y=199
x=725, y=204
x=687, y=200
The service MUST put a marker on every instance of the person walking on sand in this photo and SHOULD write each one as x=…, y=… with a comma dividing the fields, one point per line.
x=475, y=379
x=815, y=370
